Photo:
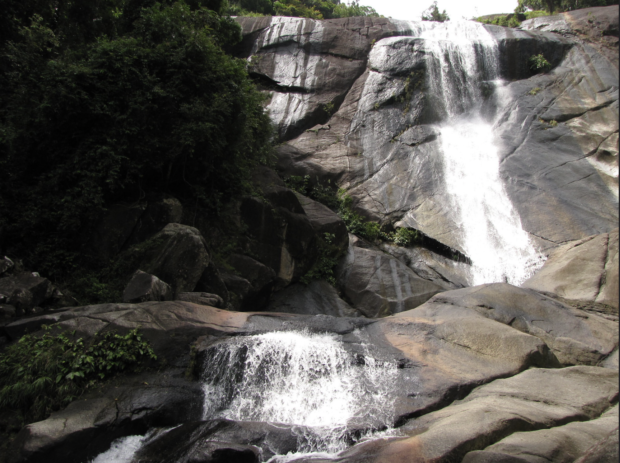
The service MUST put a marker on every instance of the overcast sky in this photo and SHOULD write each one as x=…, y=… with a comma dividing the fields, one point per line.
x=412, y=9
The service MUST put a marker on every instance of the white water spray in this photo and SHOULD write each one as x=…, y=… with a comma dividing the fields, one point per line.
x=464, y=60
x=300, y=379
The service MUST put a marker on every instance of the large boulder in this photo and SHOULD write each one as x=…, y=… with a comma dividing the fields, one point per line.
x=261, y=280
x=27, y=290
x=5, y=265
x=180, y=257
x=318, y=297
x=378, y=285
x=88, y=426
x=236, y=441
x=574, y=336
x=144, y=287
x=324, y=220
x=583, y=270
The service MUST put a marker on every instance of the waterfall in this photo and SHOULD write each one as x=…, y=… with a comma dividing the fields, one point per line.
x=462, y=64
x=301, y=379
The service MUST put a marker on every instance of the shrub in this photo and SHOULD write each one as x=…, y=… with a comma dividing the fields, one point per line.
x=407, y=237
x=538, y=63
x=323, y=269
x=39, y=375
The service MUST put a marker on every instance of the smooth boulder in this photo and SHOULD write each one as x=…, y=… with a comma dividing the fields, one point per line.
x=180, y=257
x=144, y=287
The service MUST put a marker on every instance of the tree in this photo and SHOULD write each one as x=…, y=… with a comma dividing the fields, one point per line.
x=433, y=14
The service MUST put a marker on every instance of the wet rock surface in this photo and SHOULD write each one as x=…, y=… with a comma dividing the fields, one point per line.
x=441, y=351
x=537, y=398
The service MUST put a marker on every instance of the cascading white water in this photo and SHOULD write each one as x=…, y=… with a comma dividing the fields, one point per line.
x=463, y=58
x=299, y=379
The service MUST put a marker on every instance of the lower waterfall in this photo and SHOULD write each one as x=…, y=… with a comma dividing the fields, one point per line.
x=301, y=379
x=329, y=396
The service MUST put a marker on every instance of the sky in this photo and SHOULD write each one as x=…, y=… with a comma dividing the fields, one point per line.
x=456, y=9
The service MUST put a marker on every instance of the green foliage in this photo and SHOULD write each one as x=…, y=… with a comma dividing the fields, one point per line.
x=534, y=91
x=343, y=10
x=298, y=183
x=156, y=106
x=553, y=123
x=355, y=223
x=552, y=6
x=39, y=375
x=323, y=269
x=414, y=81
x=315, y=9
x=320, y=192
x=407, y=237
x=433, y=14
x=296, y=8
x=328, y=108
x=538, y=63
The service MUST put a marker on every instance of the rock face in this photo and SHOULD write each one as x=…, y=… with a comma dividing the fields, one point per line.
x=583, y=270
x=497, y=409
x=564, y=443
x=379, y=285
x=458, y=342
x=556, y=132
x=319, y=297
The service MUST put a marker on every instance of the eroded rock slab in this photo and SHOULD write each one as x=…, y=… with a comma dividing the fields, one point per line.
x=534, y=399
x=583, y=270
x=574, y=336
x=559, y=444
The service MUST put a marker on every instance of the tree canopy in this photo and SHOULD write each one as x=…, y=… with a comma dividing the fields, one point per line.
x=553, y=6
x=433, y=14
x=148, y=101
x=316, y=9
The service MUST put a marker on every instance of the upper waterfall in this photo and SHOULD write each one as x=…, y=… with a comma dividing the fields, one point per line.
x=462, y=69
